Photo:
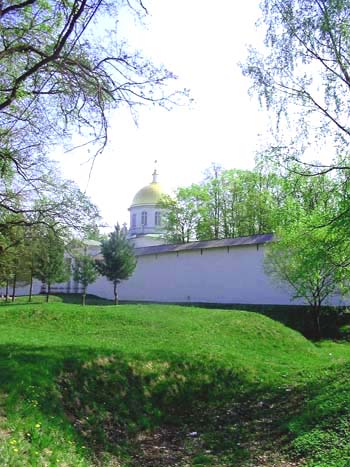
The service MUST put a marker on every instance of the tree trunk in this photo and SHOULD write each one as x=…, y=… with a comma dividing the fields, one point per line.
x=316, y=313
x=48, y=292
x=14, y=287
x=84, y=296
x=30, y=286
x=7, y=291
x=116, y=300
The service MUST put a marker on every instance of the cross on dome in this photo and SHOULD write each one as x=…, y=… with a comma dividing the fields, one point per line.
x=155, y=173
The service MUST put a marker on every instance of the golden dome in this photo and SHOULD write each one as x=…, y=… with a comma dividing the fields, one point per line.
x=150, y=194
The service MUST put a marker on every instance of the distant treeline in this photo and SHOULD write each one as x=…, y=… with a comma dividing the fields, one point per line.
x=232, y=203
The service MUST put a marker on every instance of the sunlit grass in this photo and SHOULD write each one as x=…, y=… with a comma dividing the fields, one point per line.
x=77, y=384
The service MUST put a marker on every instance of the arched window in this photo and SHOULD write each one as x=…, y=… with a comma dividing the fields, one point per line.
x=133, y=221
x=144, y=218
x=157, y=218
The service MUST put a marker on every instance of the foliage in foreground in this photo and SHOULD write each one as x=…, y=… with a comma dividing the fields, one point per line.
x=64, y=69
x=82, y=386
x=302, y=72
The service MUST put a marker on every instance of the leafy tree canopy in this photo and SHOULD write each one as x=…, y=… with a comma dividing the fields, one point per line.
x=311, y=254
x=49, y=263
x=85, y=272
x=58, y=72
x=63, y=68
x=227, y=203
x=314, y=264
x=302, y=75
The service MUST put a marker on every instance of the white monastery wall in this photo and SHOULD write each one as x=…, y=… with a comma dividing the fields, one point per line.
x=214, y=275
x=22, y=289
x=217, y=275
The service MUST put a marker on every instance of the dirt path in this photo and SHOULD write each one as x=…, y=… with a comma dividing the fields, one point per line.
x=252, y=428
x=169, y=448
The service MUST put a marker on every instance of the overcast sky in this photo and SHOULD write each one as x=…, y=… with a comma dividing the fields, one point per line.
x=202, y=42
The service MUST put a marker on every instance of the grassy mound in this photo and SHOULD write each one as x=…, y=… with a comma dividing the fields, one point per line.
x=164, y=385
x=321, y=431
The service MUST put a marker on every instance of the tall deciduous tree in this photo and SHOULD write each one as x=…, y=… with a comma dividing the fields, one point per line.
x=49, y=200
x=50, y=266
x=64, y=69
x=313, y=263
x=118, y=261
x=85, y=272
x=14, y=255
x=228, y=203
x=302, y=74
x=181, y=214
x=211, y=204
x=311, y=254
x=63, y=63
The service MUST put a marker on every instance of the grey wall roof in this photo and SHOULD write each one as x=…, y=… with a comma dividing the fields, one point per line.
x=205, y=244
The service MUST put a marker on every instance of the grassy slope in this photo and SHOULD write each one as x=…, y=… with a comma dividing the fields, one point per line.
x=78, y=384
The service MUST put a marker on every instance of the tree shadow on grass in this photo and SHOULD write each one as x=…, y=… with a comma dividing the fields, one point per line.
x=90, y=299
x=74, y=299
x=106, y=399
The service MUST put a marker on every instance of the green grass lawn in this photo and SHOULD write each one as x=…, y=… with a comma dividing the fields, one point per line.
x=162, y=385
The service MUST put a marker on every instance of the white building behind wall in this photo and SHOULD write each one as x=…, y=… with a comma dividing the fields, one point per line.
x=146, y=216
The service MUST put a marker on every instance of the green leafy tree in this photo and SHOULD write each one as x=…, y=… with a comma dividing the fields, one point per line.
x=313, y=263
x=54, y=202
x=64, y=69
x=50, y=266
x=302, y=75
x=85, y=272
x=21, y=268
x=31, y=270
x=33, y=245
x=118, y=261
x=248, y=199
x=311, y=254
x=14, y=258
x=228, y=203
x=58, y=72
x=181, y=215
x=211, y=204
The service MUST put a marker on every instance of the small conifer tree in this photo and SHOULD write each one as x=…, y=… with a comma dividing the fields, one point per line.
x=118, y=261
